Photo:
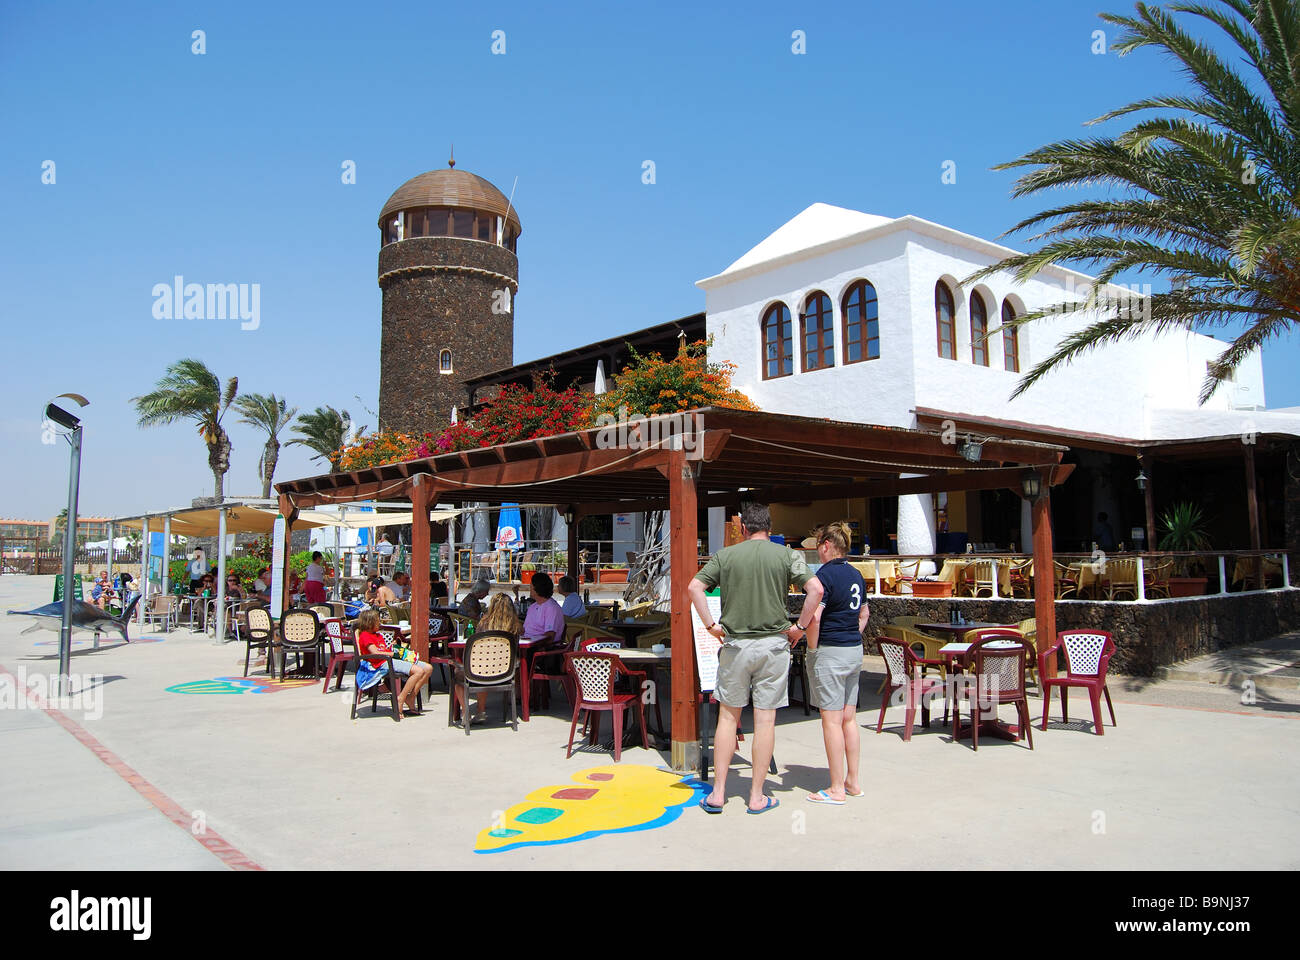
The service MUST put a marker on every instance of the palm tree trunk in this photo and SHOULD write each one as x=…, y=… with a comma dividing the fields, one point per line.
x=269, y=458
x=219, y=462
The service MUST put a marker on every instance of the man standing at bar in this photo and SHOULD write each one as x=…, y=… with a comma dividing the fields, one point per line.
x=754, y=661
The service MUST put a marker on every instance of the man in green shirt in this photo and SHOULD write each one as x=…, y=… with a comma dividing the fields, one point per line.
x=754, y=661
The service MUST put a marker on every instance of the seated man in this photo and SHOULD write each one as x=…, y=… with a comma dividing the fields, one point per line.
x=566, y=595
x=544, y=620
x=437, y=589
x=262, y=585
x=400, y=585
x=471, y=608
x=102, y=591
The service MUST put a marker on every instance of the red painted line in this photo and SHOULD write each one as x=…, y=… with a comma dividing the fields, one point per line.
x=211, y=841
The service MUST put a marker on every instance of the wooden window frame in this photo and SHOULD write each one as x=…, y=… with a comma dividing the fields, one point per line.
x=863, y=323
x=1010, y=339
x=979, y=344
x=451, y=366
x=825, y=332
x=785, y=344
x=951, y=322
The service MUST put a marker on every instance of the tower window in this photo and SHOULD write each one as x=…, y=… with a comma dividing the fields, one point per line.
x=444, y=362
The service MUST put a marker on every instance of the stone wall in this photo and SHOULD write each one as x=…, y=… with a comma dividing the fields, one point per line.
x=1147, y=635
x=440, y=294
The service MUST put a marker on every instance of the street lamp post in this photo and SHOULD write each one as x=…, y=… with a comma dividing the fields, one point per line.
x=71, y=430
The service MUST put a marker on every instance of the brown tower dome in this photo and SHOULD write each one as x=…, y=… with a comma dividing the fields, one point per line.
x=449, y=272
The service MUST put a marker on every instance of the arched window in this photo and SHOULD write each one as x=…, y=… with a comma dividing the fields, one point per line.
x=1010, y=338
x=818, y=330
x=778, y=352
x=943, y=318
x=444, y=362
x=861, y=322
x=979, y=331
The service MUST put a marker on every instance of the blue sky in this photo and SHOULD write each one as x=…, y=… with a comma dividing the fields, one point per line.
x=225, y=167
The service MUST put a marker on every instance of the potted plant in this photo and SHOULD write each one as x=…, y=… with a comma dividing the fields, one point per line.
x=526, y=572
x=612, y=573
x=1184, y=526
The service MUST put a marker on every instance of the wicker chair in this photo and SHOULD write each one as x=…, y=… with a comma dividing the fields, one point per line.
x=1156, y=573
x=1122, y=580
x=593, y=675
x=1065, y=584
x=999, y=675
x=981, y=575
x=489, y=664
x=300, y=633
x=260, y=635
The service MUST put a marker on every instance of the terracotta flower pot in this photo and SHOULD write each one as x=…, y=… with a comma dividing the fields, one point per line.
x=931, y=588
x=526, y=576
x=611, y=576
x=1187, y=586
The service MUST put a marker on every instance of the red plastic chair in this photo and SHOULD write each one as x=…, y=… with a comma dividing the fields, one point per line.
x=593, y=675
x=442, y=631
x=338, y=634
x=902, y=669
x=999, y=675
x=1087, y=655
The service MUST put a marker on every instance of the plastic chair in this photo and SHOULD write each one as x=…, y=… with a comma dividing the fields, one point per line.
x=901, y=672
x=388, y=685
x=1087, y=656
x=442, y=631
x=593, y=675
x=490, y=663
x=338, y=635
x=164, y=607
x=999, y=675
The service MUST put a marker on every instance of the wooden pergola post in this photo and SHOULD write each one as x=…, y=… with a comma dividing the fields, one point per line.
x=683, y=565
x=1252, y=512
x=1044, y=574
x=1149, y=500
x=290, y=514
x=421, y=538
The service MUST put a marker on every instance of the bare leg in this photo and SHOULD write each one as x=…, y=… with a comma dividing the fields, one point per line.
x=724, y=748
x=833, y=735
x=761, y=755
x=852, y=748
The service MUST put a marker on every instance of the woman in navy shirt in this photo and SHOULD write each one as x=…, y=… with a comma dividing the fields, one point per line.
x=834, y=616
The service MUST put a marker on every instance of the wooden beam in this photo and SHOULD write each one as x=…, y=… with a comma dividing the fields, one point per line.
x=290, y=512
x=1149, y=501
x=683, y=566
x=1044, y=576
x=572, y=547
x=549, y=470
x=419, y=565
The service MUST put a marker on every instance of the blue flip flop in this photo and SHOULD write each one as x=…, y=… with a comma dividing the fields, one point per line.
x=772, y=804
x=708, y=807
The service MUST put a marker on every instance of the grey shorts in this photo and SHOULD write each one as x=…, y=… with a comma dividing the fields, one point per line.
x=833, y=673
x=759, y=668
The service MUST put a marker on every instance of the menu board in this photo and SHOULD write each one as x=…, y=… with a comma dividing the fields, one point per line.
x=706, y=645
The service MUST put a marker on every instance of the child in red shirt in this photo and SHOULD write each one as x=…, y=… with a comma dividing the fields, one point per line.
x=371, y=671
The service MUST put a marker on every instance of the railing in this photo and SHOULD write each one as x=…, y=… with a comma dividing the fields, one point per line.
x=1093, y=577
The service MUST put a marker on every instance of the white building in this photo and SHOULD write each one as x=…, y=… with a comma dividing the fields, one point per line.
x=857, y=317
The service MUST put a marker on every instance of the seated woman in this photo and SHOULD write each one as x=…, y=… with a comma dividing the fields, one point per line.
x=233, y=590
x=371, y=672
x=500, y=616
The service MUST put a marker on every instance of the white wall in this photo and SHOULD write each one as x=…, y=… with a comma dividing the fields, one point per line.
x=1115, y=390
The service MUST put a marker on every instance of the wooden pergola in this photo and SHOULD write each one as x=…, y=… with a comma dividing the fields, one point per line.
x=701, y=458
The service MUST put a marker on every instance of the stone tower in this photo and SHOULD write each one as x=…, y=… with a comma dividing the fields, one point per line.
x=449, y=273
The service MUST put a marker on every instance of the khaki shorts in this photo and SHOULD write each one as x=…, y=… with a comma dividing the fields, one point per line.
x=834, y=673
x=759, y=668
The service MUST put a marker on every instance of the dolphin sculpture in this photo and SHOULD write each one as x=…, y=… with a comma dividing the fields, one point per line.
x=85, y=616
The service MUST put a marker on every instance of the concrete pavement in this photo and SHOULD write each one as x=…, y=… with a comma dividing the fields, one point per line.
x=1191, y=778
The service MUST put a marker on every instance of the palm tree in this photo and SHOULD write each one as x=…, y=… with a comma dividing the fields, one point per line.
x=190, y=391
x=1206, y=198
x=325, y=430
x=267, y=412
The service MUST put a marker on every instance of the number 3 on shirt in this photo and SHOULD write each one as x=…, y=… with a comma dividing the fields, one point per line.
x=856, y=601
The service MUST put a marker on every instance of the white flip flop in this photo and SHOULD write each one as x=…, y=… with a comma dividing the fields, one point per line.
x=821, y=796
